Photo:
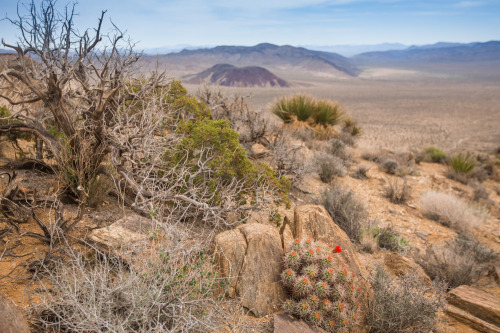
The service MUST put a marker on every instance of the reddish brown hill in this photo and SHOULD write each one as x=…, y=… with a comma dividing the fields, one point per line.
x=231, y=76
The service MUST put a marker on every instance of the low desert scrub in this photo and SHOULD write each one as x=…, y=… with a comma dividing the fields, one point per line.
x=433, y=155
x=351, y=127
x=403, y=305
x=389, y=166
x=320, y=288
x=458, y=262
x=288, y=157
x=390, y=239
x=361, y=172
x=305, y=108
x=347, y=212
x=396, y=192
x=461, y=165
x=174, y=291
x=368, y=242
x=450, y=210
x=329, y=167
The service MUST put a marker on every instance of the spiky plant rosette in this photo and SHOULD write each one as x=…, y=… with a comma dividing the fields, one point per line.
x=322, y=289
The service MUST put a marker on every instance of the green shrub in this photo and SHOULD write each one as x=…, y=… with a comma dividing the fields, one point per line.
x=304, y=108
x=403, y=305
x=347, y=212
x=462, y=163
x=434, y=155
x=320, y=288
x=390, y=239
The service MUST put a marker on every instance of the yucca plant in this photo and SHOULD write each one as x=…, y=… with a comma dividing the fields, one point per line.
x=462, y=163
x=300, y=107
x=327, y=113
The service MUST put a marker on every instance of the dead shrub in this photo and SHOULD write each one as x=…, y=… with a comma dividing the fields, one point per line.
x=457, y=263
x=346, y=211
x=403, y=305
x=173, y=292
x=368, y=243
x=361, y=172
x=329, y=167
x=450, y=210
x=397, y=193
x=389, y=166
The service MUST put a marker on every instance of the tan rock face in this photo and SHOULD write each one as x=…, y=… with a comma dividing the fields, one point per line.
x=477, y=303
x=11, y=317
x=315, y=222
x=251, y=256
x=399, y=265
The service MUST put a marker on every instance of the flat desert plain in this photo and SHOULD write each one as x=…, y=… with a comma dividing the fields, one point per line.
x=404, y=108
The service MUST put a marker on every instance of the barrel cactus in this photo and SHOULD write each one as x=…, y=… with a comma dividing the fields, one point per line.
x=321, y=289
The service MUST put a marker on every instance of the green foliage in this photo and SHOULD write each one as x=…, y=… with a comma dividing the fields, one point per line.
x=320, y=287
x=390, y=239
x=462, y=163
x=434, y=155
x=179, y=99
x=304, y=108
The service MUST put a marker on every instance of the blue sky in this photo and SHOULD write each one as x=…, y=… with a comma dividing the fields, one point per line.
x=156, y=23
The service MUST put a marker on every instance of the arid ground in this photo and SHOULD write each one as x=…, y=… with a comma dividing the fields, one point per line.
x=405, y=108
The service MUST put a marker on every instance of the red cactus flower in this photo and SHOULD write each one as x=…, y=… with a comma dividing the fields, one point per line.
x=288, y=272
x=341, y=306
x=308, y=241
x=314, y=298
x=297, y=240
x=317, y=316
x=318, y=250
x=344, y=271
x=305, y=280
x=303, y=306
x=293, y=254
x=352, y=288
x=353, y=275
x=345, y=322
x=324, y=285
x=311, y=251
x=354, y=316
x=358, y=290
x=337, y=249
x=331, y=323
x=326, y=302
x=357, y=304
x=330, y=271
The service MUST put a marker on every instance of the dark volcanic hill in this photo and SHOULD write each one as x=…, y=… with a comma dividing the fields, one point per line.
x=231, y=76
x=278, y=59
x=437, y=53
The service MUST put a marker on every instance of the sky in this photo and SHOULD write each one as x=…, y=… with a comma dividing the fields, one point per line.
x=178, y=23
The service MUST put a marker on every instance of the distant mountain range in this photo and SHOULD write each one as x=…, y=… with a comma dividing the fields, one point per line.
x=231, y=76
x=436, y=53
x=272, y=57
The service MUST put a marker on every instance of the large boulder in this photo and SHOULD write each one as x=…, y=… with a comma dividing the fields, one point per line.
x=11, y=317
x=315, y=222
x=477, y=308
x=251, y=256
x=284, y=323
x=127, y=238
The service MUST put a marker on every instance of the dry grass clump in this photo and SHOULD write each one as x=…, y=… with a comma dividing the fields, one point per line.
x=347, y=212
x=389, y=166
x=173, y=292
x=389, y=239
x=329, y=167
x=403, y=305
x=450, y=210
x=397, y=193
x=361, y=172
x=457, y=263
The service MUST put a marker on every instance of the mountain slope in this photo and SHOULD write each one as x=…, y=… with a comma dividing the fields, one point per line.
x=437, y=53
x=272, y=57
x=231, y=76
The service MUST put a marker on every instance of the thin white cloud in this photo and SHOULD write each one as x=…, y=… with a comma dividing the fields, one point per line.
x=469, y=3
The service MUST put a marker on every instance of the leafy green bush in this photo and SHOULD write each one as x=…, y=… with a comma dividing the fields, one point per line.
x=304, y=108
x=434, y=155
x=347, y=212
x=403, y=305
x=321, y=290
